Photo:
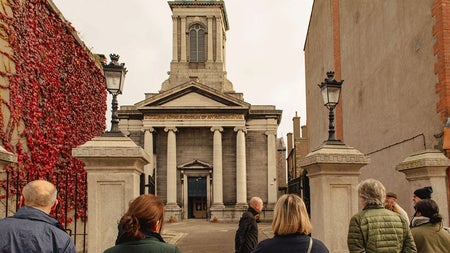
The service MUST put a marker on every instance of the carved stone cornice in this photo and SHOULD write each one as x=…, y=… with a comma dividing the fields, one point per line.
x=200, y=116
x=336, y=154
x=110, y=148
x=427, y=163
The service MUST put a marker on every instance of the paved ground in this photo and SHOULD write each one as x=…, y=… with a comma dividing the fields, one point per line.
x=198, y=236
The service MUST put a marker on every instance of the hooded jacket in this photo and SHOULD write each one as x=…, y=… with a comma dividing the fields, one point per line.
x=430, y=237
x=32, y=230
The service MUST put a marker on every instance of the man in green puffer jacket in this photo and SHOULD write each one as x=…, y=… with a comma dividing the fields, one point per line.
x=376, y=229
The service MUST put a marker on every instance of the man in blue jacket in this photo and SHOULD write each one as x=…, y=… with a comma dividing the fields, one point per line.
x=32, y=229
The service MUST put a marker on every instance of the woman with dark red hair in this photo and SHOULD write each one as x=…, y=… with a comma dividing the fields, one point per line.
x=140, y=228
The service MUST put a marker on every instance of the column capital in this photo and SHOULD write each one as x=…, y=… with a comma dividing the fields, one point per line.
x=240, y=128
x=216, y=128
x=270, y=132
x=171, y=128
x=145, y=129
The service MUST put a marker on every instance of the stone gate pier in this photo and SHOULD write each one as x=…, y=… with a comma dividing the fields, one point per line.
x=333, y=171
x=114, y=165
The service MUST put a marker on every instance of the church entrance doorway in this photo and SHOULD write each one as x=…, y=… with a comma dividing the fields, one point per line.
x=197, y=197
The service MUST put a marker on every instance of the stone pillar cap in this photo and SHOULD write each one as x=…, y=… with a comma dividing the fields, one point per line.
x=7, y=157
x=107, y=146
x=335, y=154
x=424, y=158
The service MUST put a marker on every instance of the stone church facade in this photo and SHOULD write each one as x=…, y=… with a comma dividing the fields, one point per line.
x=211, y=151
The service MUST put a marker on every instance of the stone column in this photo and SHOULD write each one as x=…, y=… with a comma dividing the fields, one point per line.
x=219, y=43
x=241, y=168
x=428, y=168
x=333, y=171
x=171, y=166
x=271, y=169
x=217, y=168
x=210, y=39
x=114, y=166
x=148, y=148
x=183, y=39
x=174, y=39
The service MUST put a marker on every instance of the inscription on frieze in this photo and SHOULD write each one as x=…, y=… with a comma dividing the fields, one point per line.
x=196, y=116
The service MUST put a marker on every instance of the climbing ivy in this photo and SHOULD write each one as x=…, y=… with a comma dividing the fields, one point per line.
x=57, y=99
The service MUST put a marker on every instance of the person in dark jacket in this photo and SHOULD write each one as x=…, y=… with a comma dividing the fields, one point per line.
x=291, y=227
x=140, y=228
x=32, y=229
x=246, y=236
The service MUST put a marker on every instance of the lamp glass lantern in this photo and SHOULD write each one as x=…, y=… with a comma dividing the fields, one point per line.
x=331, y=90
x=115, y=76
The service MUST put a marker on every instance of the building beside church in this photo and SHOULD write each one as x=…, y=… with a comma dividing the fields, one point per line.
x=395, y=59
x=211, y=151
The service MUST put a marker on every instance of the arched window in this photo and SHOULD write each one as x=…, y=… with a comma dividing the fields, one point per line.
x=197, y=44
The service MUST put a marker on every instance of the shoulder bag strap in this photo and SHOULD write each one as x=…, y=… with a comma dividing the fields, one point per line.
x=310, y=245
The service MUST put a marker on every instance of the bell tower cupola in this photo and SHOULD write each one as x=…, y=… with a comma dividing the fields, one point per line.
x=198, y=49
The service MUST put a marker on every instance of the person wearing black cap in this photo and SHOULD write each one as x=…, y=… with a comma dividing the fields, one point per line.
x=422, y=193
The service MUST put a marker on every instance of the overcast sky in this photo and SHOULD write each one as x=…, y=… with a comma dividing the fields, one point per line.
x=265, y=59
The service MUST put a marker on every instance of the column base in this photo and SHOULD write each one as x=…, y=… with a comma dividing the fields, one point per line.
x=172, y=212
x=241, y=206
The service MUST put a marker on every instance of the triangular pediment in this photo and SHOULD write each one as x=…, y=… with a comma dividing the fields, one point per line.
x=193, y=99
x=195, y=164
x=192, y=95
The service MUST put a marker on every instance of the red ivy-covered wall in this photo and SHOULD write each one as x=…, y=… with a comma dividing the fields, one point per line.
x=57, y=93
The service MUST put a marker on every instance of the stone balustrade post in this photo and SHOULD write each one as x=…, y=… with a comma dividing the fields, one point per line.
x=114, y=165
x=428, y=168
x=333, y=171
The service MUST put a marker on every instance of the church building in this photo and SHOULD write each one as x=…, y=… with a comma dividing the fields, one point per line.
x=211, y=151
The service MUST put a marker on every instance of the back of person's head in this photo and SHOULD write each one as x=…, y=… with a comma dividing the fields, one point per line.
x=372, y=191
x=290, y=216
x=39, y=193
x=424, y=193
x=143, y=215
x=429, y=209
x=256, y=203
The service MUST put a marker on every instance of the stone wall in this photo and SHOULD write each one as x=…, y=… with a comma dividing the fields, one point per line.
x=257, y=164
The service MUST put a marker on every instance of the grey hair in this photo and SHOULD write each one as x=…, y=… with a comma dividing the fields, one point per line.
x=372, y=191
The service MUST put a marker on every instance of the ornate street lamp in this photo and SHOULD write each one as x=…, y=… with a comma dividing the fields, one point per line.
x=115, y=76
x=331, y=89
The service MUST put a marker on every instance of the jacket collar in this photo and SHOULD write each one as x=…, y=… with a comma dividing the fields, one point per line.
x=32, y=213
x=367, y=207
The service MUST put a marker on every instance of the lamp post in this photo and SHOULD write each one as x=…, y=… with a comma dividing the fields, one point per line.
x=330, y=90
x=115, y=76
